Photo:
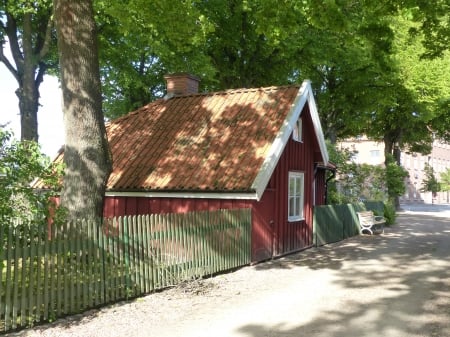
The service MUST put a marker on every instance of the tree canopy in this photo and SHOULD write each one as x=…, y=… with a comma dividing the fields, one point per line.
x=355, y=53
x=378, y=67
x=366, y=60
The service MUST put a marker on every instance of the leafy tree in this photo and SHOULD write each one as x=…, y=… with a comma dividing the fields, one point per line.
x=27, y=27
x=21, y=163
x=143, y=41
x=254, y=43
x=395, y=180
x=434, y=20
x=445, y=182
x=86, y=154
x=430, y=182
x=347, y=62
x=413, y=104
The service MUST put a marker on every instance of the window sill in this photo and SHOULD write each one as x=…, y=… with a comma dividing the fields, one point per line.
x=296, y=219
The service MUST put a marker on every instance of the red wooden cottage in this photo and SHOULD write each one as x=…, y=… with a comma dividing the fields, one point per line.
x=258, y=148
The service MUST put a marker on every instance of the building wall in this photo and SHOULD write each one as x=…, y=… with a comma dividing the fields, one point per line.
x=366, y=151
x=414, y=163
x=439, y=160
x=320, y=188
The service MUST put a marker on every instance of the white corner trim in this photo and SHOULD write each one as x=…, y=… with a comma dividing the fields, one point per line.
x=184, y=195
x=304, y=95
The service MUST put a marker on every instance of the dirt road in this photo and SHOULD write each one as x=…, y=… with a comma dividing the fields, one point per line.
x=395, y=284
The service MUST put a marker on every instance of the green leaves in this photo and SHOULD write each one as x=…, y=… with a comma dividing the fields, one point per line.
x=445, y=180
x=395, y=178
x=430, y=183
x=20, y=164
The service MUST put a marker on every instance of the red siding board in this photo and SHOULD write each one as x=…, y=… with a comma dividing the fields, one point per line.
x=263, y=226
x=142, y=206
x=108, y=207
x=131, y=207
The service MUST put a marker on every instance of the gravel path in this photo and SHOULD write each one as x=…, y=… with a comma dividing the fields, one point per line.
x=394, y=284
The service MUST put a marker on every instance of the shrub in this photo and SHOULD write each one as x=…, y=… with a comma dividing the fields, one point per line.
x=21, y=162
x=389, y=212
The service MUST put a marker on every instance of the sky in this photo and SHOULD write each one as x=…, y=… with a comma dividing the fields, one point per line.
x=50, y=120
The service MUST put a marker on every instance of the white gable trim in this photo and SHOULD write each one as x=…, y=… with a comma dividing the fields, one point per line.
x=305, y=95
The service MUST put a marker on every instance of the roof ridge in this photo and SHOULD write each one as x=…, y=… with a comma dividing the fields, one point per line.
x=237, y=90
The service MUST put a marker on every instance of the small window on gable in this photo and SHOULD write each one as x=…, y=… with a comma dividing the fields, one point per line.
x=298, y=131
x=295, y=196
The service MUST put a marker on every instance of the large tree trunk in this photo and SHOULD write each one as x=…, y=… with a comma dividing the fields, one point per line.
x=86, y=154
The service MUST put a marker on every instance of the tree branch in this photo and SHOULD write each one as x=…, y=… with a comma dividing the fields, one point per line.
x=8, y=64
x=11, y=32
x=47, y=40
x=40, y=75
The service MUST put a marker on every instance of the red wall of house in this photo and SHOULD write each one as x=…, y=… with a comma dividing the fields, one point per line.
x=297, y=156
x=119, y=206
x=320, y=187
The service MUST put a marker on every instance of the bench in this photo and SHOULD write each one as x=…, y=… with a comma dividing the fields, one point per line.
x=368, y=222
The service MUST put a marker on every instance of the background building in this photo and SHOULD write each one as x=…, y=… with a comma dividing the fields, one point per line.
x=371, y=152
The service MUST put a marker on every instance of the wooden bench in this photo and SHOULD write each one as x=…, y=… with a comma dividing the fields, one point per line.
x=368, y=222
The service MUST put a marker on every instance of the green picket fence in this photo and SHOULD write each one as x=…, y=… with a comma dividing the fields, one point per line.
x=49, y=273
x=333, y=223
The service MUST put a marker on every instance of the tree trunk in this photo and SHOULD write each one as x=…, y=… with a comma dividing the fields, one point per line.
x=86, y=154
x=28, y=105
x=28, y=92
x=390, y=149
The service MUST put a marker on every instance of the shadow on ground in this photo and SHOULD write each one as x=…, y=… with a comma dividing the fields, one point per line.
x=409, y=266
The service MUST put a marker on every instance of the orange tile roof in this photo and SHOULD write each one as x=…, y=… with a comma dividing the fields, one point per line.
x=203, y=142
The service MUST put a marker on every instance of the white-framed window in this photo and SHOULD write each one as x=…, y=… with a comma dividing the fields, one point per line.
x=298, y=131
x=375, y=154
x=295, y=197
x=375, y=157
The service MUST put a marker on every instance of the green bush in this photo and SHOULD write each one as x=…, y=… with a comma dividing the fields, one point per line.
x=21, y=162
x=389, y=212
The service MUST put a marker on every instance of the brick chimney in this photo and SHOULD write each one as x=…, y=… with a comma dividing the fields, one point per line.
x=181, y=84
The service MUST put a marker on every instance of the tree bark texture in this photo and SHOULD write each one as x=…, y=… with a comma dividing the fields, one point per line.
x=86, y=155
x=28, y=90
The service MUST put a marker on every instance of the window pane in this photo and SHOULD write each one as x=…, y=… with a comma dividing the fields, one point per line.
x=295, y=133
x=291, y=186
x=297, y=206
x=300, y=207
x=298, y=184
x=292, y=207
